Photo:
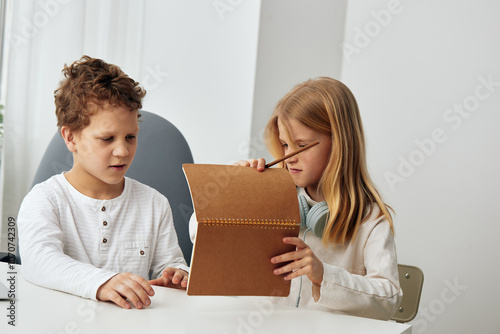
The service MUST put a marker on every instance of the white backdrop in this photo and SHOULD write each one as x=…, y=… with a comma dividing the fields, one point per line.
x=195, y=59
x=427, y=79
x=425, y=73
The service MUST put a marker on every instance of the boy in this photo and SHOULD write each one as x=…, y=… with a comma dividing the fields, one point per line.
x=92, y=231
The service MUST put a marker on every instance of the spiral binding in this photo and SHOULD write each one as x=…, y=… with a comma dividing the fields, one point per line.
x=255, y=223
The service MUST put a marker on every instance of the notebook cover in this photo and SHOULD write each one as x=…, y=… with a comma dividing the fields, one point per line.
x=243, y=216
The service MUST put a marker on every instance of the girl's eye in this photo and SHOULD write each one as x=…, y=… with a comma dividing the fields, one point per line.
x=284, y=145
x=107, y=138
x=130, y=137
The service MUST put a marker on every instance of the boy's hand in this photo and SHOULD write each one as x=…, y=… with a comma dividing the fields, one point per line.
x=126, y=286
x=172, y=278
x=260, y=163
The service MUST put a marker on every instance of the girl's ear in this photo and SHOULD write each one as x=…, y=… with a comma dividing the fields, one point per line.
x=69, y=138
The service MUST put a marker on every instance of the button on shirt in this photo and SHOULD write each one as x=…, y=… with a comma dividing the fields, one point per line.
x=74, y=243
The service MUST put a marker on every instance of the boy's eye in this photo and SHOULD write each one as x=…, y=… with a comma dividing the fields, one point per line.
x=130, y=137
x=107, y=138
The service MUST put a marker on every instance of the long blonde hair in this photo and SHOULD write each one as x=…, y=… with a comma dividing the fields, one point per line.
x=328, y=106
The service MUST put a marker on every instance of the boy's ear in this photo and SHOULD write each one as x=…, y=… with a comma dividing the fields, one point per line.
x=69, y=138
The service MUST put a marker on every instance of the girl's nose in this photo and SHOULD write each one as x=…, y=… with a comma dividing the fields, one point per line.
x=292, y=159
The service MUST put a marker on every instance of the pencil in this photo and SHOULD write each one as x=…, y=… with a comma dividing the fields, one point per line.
x=292, y=154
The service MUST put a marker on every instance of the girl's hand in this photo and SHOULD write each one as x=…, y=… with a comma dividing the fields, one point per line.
x=304, y=262
x=260, y=163
x=172, y=278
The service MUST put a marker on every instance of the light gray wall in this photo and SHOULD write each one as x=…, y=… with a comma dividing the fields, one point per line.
x=410, y=76
x=208, y=55
x=298, y=40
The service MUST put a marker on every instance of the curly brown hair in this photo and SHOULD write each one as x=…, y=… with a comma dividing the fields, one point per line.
x=89, y=83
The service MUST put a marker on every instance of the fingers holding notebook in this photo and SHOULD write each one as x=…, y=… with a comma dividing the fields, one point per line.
x=260, y=163
x=304, y=262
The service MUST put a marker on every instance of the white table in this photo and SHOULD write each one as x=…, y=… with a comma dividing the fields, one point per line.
x=44, y=311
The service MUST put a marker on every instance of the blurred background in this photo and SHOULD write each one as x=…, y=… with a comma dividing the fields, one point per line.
x=426, y=75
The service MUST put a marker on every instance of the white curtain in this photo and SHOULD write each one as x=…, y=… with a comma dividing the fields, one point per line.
x=44, y=35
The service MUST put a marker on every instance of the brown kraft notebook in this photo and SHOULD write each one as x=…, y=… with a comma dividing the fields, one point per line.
x=243, y=216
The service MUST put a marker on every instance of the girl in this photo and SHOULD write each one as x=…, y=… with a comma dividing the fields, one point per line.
x=350, y=264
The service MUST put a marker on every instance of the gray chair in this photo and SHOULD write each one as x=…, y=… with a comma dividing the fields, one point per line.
x=161, y=152
x=7, y=257
x=411, y=279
